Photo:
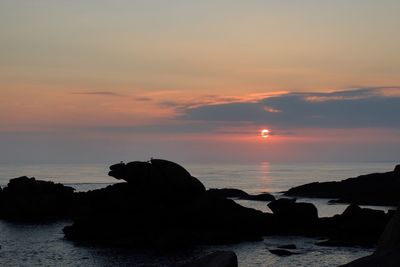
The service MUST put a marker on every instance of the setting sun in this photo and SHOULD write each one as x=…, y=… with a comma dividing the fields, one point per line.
x=265, y=133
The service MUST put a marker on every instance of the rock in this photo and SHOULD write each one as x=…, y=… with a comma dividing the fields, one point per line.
x=387, y=253
x=294, y=218
x=237, y=193
x=228, y=192
x=288, y=208
x=28, y=198
x=290, y=246
x=162, y=177
x=282, y=252
x=215, y=259
x=390, y=239
x=370, y=189
x=354, y=227
x=397, y=169
x=162, y=205
x=341, y=243
x=259, y=197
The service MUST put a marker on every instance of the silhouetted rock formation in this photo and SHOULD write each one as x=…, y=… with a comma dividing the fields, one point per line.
x=294, y=218
x=28, y=198
x=215, y=259
x=161, y=205
x=355, y=226
x=387, y=253
x=237, y=193
x=162, y=176
x=370, y=189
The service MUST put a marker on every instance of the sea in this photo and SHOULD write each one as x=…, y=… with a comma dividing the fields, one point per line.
x=43, y=244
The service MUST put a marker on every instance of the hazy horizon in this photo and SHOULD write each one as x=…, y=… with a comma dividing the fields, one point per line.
x=102, y=81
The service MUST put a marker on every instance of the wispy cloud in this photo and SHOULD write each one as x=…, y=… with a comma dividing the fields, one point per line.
x=143, y=99
x=364, y=107
x=99, y=93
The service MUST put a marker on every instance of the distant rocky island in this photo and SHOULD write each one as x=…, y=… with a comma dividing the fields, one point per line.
x=371, y=189
x=160, y=204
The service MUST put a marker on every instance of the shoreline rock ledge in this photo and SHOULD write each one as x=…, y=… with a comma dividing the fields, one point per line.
x=371, y=189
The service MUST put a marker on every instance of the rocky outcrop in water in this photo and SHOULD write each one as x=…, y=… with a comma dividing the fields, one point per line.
x=370, y=189
x=28, y=198
x=240, y=194
x=293, y=217
x=163, y=177
x=355, y=226
x=162, y=205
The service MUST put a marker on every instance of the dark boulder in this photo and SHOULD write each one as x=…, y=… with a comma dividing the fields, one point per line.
x=294, y=218
x=370, y=189
x=215, y=259
x=387, y=253
x=355, y=226
x=28, y=198
x=290, y=209
x=390, y=239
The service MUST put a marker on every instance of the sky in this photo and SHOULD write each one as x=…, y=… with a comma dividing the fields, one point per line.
x=196, y=81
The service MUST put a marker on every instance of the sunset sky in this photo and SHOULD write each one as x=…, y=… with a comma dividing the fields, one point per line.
x=197, y=81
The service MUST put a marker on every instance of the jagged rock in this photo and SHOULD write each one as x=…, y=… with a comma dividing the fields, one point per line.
x=370, y=189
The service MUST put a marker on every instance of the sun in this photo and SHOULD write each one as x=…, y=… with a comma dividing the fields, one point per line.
x=265, y=133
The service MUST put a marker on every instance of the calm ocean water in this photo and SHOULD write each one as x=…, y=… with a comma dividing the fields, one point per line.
x=43, y=244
